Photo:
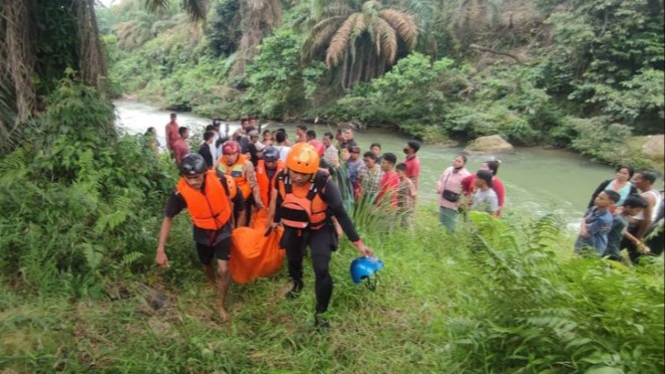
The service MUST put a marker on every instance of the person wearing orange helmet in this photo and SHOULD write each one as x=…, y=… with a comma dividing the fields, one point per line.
x=241, y=169
x=304, y=201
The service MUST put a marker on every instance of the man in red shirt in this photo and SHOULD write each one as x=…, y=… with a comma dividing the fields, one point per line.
x=180, y=147
x=389, y=182
x=412, y=162
x=172, y=133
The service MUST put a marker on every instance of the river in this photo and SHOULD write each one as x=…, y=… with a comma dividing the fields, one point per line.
x=537, y=180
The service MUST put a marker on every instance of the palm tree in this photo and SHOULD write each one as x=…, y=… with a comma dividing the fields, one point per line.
x=197, y=9
x=362, y=42
x=259, y=18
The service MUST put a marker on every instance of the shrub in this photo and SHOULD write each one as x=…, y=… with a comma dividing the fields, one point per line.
x=537, y=314
x=279, y=83
x=82, y=204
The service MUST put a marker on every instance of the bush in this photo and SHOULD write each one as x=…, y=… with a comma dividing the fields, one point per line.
x=82, y=204
x=537, y=314
x=280, y=85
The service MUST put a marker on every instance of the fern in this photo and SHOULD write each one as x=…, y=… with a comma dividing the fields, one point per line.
x=131, y=258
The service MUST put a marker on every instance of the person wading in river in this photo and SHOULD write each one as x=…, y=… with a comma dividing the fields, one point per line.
x=241, y=169
x=304, y=200
x=211, y=200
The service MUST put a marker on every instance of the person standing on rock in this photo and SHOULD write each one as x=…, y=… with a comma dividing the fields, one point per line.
x=449, y=189
x=211, y=200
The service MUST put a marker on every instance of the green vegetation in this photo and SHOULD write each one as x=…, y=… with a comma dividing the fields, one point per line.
x=82, y=203
x=550, y=72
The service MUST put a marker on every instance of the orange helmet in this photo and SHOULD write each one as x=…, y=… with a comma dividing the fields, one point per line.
x=303, y=158
x=318, y=146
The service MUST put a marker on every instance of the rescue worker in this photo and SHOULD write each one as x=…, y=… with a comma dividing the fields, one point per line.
x=211, y=199
x=266, y=171
x=241, y=169
x=304, y=201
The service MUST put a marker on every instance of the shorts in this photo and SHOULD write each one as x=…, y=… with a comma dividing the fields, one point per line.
x=220, y=251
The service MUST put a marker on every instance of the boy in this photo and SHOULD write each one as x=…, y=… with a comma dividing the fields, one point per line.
x=598, y=223
x=412, y=161
x=632, y=206
x=389, y=182
x=406, y=197
x=485, y=199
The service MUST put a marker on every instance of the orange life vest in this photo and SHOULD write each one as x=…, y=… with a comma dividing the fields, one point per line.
x=237, y=171
x=302, y=206
x=266, y=184
x=210, y=209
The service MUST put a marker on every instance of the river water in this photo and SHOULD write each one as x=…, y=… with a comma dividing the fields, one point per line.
x=537, y=180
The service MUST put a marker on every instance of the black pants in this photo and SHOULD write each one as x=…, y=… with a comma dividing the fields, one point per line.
x=322, y=243
x=655, y=244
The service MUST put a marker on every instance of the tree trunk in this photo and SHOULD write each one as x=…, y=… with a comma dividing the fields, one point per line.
x=91, y=55
x=17, y=57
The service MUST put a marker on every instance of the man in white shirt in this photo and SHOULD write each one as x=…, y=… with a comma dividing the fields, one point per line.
x=280, y=138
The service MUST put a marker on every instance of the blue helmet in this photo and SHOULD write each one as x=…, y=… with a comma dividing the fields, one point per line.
x=271, y=154
x=363, y=267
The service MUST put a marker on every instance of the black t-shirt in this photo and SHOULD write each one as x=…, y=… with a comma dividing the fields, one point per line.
x=204, y=151
x=333, y=198
x=177, y=203
x=253, y=153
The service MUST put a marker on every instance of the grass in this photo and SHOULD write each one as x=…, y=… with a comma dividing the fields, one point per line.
x=430, y=283
x=397, y=328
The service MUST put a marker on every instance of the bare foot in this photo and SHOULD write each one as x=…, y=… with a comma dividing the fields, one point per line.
x=223, y=314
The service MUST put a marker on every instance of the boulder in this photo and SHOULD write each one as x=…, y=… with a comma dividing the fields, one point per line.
x=654, y=147
x=490, y=144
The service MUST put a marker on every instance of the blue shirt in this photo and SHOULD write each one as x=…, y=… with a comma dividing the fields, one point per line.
x=598, y=224
x=352, y=168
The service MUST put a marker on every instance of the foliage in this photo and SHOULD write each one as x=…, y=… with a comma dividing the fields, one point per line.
x=543, y=62
x=71, y=196
x=539, y=314
x=223, y=29
x=363, y=39
x=608, y=54
x=279, y=83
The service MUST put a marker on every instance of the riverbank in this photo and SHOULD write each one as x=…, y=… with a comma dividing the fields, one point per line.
x=538, y=180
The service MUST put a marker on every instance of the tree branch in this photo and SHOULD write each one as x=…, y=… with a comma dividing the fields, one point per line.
x=484, y=49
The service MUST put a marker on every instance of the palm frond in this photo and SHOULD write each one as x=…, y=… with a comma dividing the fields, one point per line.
x=197, y=9
x=340, y=41
x=386, y=39
x=156, y=5
x=403, y=24
x=320, y=35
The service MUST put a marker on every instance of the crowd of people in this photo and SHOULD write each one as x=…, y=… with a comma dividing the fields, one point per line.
x=625, y=212
x=305, y=186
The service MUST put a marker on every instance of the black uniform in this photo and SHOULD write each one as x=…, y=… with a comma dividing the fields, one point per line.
x=322, y=242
